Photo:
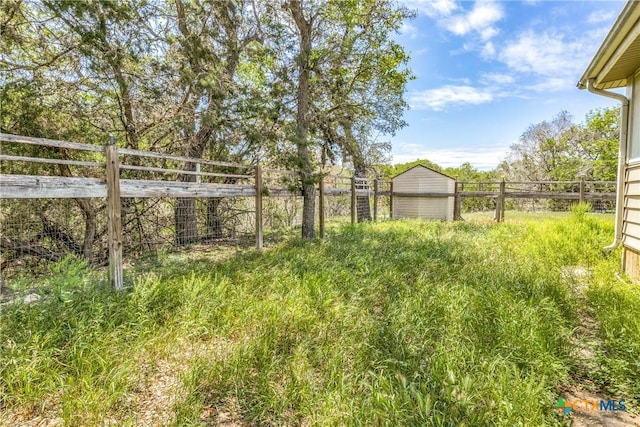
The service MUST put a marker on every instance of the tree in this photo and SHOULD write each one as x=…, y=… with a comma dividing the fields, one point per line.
x=211, y=39
x=234, y=80
x=559, y=150
x=543, y=151
x=599, y=145
x=361, y=81
x=306, y=166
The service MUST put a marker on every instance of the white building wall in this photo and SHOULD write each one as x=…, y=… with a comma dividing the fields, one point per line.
x=631, y=224
x=423, y=180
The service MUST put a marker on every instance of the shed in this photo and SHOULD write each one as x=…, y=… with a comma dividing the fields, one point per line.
x=616, y=64
x=421, y=192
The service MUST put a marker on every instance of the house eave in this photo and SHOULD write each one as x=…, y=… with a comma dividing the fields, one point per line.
x=619, y=55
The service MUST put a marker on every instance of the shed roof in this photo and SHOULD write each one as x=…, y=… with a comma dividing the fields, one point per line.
x=425, y=167
x=618, y=57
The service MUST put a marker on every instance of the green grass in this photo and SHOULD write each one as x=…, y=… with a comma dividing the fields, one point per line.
x=396, y=323
x=617, y=305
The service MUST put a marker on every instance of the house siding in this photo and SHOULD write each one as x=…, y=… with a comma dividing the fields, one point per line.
x=423, y=180
x=631, y=206
x=631, y=214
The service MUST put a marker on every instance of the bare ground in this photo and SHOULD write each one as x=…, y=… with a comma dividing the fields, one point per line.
x=586, y=342
x=152, y=400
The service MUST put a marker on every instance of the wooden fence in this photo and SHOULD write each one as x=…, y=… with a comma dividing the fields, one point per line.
x=104, y=181
x=98, y=175
x=580, y=191
x=98, y=171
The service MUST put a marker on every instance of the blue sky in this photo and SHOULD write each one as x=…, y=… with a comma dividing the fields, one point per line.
x=486, y=70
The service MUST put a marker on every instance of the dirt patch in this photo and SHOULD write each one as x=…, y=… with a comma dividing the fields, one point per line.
x=161, y=386
x=584, y=341
x=584, y=394
x=48, y=415
x=152, y=400
x=227, y=414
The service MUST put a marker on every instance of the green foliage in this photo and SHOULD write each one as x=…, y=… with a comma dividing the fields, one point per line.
x=389, y=171
x=560, y=150
x=244, y=87
x=579, y=210
x=467, y=173
x=602, y=127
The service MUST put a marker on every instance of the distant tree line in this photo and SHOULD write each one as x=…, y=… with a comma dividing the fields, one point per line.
x=555, y=150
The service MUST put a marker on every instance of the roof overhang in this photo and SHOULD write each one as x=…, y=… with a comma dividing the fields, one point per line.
x=619, y=55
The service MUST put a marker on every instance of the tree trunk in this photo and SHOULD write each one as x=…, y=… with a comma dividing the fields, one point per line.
x=214, y=221
x=89, y=229
x=302, y=121
x=185, y=213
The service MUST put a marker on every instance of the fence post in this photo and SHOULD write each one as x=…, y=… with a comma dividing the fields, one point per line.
x=503, y=189
x=581, y=197
x=500, y=203
x=375, y=199
x=457, y=202
x=353, y=200
x=391, y=200
x=258, y=183
x=198, y=177
x=321, y=206
x=114, y=212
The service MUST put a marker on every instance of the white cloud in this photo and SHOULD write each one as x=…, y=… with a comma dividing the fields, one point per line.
x=409, y=30
x=497, y=78
x=481, y=157
x=546, y=54
x=601, y=16
x=462, y=81
x=553, y=84
x=488, y=33
x=480, y=19
x=432, y=8
x=488, y=50
x=449, y=95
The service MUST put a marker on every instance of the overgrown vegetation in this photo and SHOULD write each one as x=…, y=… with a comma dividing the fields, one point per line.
x=398, y=323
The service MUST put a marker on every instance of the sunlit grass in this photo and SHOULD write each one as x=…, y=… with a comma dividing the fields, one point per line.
x=395, y=323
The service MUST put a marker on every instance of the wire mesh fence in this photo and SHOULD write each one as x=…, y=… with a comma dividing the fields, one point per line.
x=53, y=204
x=36, y=232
